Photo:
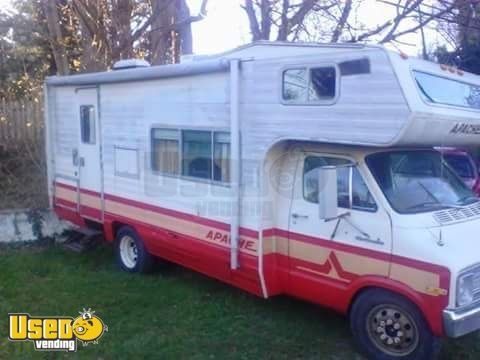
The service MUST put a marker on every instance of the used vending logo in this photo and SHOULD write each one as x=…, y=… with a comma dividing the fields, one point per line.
x=56, y=333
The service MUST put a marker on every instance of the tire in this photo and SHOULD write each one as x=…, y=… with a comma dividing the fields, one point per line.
x=131, y=254
x=386, y=326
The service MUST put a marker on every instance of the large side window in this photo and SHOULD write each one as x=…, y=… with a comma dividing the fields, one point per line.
x=359, y=198
x=87, y=124
x=166, y=151
x=309, y=85
x=192, y=153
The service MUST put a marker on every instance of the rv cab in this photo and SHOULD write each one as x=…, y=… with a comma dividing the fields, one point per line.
x=303, y=170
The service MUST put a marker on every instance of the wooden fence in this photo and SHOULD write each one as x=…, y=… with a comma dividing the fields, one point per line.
x=21, y=121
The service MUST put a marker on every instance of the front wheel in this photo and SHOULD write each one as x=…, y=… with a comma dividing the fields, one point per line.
x=132, y=256
x=387, y=326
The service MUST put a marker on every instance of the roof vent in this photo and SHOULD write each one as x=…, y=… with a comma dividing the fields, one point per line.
x=130, y=64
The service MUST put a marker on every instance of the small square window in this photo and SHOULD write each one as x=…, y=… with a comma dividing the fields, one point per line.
x=309, y=85
x=87, y=124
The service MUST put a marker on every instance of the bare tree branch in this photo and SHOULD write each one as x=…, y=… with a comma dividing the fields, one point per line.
x=252, y=19
x=342, y=21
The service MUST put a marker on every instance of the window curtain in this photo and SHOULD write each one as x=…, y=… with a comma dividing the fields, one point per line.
x=222, y=157
x=166, y=157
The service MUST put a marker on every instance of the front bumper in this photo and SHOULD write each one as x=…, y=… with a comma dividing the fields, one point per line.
x=460, y=322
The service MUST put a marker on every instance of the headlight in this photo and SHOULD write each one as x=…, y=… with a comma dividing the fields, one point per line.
x=465, y=289
x=468, y=286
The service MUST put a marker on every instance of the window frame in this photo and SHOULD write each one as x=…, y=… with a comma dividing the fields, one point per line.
x=308, y=67
x=350, y=181
x=180, y=153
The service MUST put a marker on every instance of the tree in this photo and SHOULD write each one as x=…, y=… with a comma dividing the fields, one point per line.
x=25, y=53
x=111, y=30
x=171, y=31
x=56, y=38
x=280, y=18
x=463, y=32
x=334, y=20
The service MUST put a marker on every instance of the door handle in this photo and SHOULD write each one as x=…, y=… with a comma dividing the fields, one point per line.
x=299, y=216
x=369, y=240
x=82, y=161
x=75, y=157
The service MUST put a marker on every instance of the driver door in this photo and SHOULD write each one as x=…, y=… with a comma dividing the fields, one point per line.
x=335, y=251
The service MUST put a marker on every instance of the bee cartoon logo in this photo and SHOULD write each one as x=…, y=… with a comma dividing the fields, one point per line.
x=57, y=333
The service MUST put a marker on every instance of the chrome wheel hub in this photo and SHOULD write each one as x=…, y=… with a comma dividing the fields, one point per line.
x=392, y=330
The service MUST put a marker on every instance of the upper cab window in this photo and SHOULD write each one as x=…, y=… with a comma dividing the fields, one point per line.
x=436, y=89
x=358, y=198
x=309, y=85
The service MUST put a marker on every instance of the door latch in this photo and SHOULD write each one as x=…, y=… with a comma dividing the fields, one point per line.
x=299, y=216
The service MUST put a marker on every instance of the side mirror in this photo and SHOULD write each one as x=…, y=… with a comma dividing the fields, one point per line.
x=327, y=192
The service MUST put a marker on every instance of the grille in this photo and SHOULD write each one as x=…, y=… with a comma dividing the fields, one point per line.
x=452, y=215
x=476, y=286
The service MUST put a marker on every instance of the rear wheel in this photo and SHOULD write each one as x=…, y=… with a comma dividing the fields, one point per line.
x=387, y=326
x=132, y=256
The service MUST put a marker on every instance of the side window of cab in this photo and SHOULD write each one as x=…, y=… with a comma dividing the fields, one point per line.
x=353, y=193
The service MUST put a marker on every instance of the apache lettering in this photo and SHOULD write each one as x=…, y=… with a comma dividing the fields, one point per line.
x=225, y=239
x=468, y=129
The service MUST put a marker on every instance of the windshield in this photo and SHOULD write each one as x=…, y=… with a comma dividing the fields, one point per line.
x=418, y=181
x=440, y=90
x=461, y=164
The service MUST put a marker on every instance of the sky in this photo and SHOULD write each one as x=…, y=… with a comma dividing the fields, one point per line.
x=226, y=26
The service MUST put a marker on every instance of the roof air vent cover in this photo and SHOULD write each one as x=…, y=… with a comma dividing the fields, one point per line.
x=130, y=64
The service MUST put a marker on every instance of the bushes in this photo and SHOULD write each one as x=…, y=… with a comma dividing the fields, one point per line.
x=23, y=176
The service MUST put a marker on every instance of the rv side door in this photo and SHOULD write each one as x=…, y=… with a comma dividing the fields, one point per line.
x=356, y=242
x=87, y=158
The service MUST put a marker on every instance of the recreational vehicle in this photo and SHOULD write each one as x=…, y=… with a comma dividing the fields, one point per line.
x=304, y=170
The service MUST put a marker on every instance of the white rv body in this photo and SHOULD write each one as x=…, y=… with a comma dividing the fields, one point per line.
x=377, y=109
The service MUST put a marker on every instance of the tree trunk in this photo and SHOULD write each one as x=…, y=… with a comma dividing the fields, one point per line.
x=184, y=30
x=55, y=36
x=161, y=36
x=122, y=48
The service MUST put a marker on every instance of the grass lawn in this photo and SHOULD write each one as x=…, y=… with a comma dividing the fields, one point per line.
x=171, y=314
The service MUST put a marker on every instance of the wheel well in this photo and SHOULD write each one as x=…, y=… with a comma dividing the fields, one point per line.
x=357, y=294
x=411, y=299
x=370, y=288
x=116, y=226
